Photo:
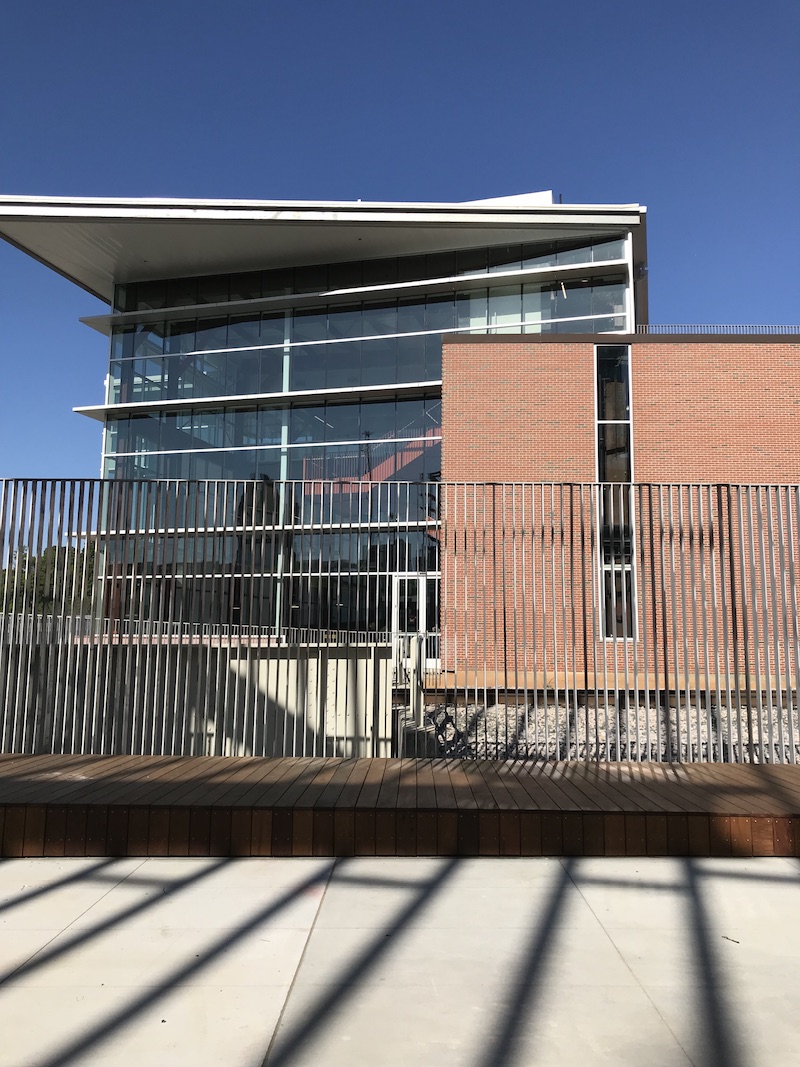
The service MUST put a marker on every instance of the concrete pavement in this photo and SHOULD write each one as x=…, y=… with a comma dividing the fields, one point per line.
x=470, y=962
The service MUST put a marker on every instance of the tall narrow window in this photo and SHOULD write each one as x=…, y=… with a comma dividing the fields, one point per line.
x=615, y=473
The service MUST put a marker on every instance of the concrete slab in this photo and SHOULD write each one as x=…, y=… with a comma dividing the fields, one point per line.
x=475, y=963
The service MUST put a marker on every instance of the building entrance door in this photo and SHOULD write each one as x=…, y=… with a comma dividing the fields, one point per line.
x=415, y=613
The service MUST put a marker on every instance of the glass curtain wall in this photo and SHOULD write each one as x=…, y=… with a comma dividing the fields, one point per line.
x=196, y=365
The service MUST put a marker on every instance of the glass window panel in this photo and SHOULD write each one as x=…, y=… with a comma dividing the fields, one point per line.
x=180, y=336
x=181, y=292
x=411, y=268
x=147, y=379
x=122, y=340
x=114, y=383
x=471, y=261
x=197, y=376
x=411, y=315
x=573, y=254
x=344, y=275
x=618, y=602
x=124, y=297
x=433, y=413
x=113, y=435
x=505, y=258
x=271, y=362
x=411, y=362
x=243, y=375
x=378, y=419
x=613, y=401
x=307, y=367
x=343, y=365
x=345, y=321
x=208, y=427
x=231, y=429
x=342, y=422
x=331, y=463
x=379, y=361
x=312, y=279
x=440, y=265
x=539, y=255
x=144, y=434
x=310, y=326
x=380, y=272
x=270, y=425
x=245, y=428
x=602, y=251
x=243, y=331
x=616, y=543
x=608, y=299
x=277, y=282
x=432, y=462
x=614, y=452
x=573, y=301
x=213, y=289
x=273, y=329
x=245, y=286
x=617, y=324
x=433, y=359
x=410, y=417
x=307, y=424
x=150, y=295
x=242, y=465
x=440, y=312
x=379, y=319
x=505, y=307
x=211, y=334
x=173, y=434
x=472, y=309
x=535, y=307
x=149, y=339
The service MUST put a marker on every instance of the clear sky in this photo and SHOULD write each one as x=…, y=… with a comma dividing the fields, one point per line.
x=690, y=107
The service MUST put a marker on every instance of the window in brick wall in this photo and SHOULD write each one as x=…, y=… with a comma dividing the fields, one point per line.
x=615, y=473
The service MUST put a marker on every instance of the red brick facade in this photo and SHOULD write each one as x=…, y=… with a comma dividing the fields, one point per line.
x=517, y=412
x=722, y=410
x=520, y=566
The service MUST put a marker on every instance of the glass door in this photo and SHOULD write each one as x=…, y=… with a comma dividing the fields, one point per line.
x=416, y=612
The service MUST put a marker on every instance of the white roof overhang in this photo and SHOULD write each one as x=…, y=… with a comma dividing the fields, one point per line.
x=98, y=243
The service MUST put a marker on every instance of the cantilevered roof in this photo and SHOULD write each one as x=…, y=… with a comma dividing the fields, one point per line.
x=99, y=242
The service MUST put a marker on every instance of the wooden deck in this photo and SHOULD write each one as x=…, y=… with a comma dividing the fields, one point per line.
x=201, y=806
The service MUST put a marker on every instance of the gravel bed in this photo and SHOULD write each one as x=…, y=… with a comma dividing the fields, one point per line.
x=631, y=731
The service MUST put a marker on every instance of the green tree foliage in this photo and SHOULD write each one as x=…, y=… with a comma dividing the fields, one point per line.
x=57, y=582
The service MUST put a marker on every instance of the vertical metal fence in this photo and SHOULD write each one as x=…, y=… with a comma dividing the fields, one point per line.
x=509, y=621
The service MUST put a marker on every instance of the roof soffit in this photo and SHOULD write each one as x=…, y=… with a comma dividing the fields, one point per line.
x=98, y=243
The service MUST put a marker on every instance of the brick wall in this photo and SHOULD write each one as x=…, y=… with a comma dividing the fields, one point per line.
x=518, y=409
x=518, y=412
x=716, y=412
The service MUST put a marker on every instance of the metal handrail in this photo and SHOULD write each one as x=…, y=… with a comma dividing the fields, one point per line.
x=717, y=328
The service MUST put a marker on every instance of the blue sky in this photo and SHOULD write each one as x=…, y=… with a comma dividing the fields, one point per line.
x=690, y=108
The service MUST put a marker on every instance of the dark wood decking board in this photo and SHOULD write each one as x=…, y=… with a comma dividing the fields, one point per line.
x=763, y=787
x=351, y=791
x=118, y=805
x=371, y=786
x=640, y=794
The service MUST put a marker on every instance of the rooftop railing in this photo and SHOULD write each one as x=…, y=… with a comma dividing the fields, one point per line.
x=717, y=328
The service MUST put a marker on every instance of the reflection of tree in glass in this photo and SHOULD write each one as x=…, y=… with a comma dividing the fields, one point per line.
x=57, y=582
